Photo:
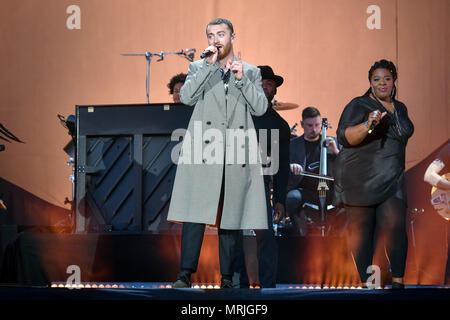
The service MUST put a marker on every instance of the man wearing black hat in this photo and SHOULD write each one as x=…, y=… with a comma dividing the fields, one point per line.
x=276, y=173
x=271, y=120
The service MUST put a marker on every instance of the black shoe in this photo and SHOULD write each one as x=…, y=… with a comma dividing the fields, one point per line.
x=226, y=284
x=182, y=282
x=398, y=285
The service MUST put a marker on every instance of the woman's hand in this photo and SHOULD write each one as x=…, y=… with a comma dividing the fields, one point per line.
x=375, y=118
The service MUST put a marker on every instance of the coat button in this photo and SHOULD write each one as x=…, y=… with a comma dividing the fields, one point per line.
x=208, y=122
x=241, y=127
x=243, y=165
x=206, y=141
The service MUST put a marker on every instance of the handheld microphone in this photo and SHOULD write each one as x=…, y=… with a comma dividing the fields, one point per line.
x=206, y=53
x=372, y=126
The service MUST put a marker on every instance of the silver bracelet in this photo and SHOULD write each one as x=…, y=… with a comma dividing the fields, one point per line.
x=367, y=124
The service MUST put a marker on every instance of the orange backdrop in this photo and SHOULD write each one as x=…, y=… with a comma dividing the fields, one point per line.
x=322, y=48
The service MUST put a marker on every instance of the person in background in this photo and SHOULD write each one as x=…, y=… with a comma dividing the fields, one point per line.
x=175, y=84
x=305, y=157
x=275, y=178
x=370, y=171
x=435, y=177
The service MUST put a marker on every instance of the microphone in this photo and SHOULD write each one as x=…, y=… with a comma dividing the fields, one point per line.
x=206, y=53
x=372, y=126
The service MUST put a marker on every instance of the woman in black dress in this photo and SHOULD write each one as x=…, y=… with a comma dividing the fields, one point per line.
x=374, y=130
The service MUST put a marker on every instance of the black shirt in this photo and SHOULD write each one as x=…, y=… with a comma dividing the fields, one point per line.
x=373, y=171
x=272, y=120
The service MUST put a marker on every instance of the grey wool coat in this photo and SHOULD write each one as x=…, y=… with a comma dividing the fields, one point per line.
x=200, y=176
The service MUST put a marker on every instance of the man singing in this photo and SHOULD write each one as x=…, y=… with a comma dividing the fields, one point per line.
x=225, y=93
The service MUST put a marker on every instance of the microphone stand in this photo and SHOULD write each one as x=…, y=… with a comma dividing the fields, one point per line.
x=188, y=54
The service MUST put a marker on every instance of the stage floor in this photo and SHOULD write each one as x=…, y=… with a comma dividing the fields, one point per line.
x=163, y=291
x=155, y=299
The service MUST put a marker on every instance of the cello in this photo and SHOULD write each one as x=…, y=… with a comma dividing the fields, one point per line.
x=322, y=187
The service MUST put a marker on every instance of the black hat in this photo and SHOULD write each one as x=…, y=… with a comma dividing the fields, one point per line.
x=267, y=73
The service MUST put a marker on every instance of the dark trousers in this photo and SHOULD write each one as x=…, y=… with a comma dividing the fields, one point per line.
x=267, y=250
x=191, y=243
x=390, y=216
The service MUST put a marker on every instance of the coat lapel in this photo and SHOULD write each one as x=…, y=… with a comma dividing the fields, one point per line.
x=218, y=91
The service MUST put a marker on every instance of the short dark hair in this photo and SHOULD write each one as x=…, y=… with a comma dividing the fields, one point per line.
x=310, y=112
x=220, y=21
x=181, y=77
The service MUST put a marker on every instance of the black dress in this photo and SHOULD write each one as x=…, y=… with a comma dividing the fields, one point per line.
x=373, y=171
